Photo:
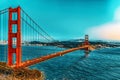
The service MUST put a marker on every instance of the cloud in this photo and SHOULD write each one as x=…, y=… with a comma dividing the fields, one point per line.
x=108, y=31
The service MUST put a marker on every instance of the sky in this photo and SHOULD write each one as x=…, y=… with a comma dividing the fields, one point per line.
x=72, y=19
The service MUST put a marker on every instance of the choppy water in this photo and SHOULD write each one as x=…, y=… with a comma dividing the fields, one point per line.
x=103, y=64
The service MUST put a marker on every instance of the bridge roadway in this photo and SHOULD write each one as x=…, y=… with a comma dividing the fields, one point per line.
x=44, y=58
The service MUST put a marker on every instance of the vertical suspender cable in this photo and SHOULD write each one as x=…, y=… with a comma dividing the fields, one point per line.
x=34, y=35
x=7, y=35
x=4, y=35
x=0, y=28
x=0, y=34
x=26, y=31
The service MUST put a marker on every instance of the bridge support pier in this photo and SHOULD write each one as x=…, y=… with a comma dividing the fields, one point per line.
x=14, y=35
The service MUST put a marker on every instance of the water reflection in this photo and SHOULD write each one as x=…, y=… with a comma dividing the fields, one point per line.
x=86, y=53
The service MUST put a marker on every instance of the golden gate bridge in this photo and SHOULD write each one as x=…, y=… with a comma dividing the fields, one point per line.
x=17, y=28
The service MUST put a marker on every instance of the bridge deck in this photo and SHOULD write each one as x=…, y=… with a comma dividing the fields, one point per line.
x=43, y=58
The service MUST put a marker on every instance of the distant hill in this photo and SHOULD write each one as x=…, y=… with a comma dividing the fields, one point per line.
x=75, y=42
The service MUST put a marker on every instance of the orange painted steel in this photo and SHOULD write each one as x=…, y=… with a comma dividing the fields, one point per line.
x=44, y=58
x=86, y=42
x=17, y=35
x=17, y=50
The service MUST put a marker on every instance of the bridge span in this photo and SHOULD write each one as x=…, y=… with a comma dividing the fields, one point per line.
x=23, y=29
x=53, y=55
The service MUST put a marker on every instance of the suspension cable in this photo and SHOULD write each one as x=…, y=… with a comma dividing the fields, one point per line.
x=3, y=11
x=34, y=29
x=38, y=25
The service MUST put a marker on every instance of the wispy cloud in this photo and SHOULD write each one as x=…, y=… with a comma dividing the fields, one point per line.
x=107, y=31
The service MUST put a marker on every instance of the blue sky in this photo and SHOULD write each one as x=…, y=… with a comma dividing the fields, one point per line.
x=68, y=19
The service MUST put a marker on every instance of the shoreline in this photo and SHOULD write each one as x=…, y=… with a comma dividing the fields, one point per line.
x=7, y=73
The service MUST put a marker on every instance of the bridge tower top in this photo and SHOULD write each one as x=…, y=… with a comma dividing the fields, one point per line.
x=86, y=40
x=86, y=37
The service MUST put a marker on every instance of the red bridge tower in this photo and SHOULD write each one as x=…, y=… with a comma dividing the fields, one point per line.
x=86, y=40
x=14, y=35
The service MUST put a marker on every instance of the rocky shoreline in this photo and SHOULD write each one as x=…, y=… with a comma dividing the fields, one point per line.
x=7, y=73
